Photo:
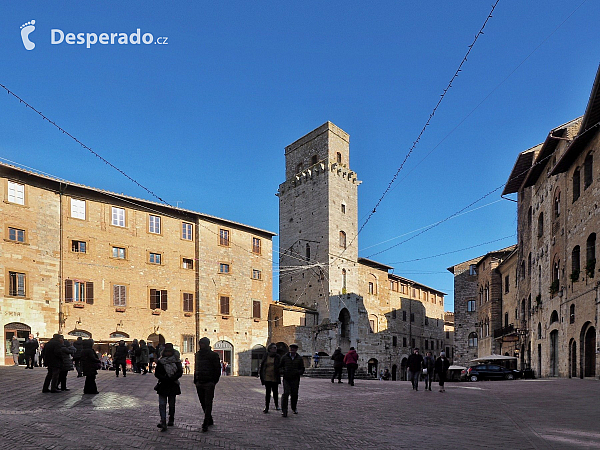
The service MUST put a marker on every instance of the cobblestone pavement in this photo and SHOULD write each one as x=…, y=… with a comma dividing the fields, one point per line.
x=521, y=414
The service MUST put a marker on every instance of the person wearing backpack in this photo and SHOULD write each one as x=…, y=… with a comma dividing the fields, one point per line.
x=168, y=371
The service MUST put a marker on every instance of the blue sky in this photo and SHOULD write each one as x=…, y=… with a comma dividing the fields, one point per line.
x=204, y=119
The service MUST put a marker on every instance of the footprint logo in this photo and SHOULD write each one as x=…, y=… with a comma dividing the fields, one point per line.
x=26, y=30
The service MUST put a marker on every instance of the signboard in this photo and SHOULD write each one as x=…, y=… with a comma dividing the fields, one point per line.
x=511, y=338
x=222, y=345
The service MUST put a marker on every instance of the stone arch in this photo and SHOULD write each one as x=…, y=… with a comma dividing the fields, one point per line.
x=572, y=358
x=403, y=367
x=344, y=318
x=587, y=352
x=156, y=339
x=84, y=334
x=21, y=331
x=553, y=317
x=119, y=334
x=257, y=354
x=372, y=365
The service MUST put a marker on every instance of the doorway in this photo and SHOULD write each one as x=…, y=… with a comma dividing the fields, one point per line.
x=590, y=352
x=22, y=332
x=554, y=353
x=225, y=351
x=394, y=369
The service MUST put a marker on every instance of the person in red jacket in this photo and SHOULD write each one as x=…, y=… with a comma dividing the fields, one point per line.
x=351, y=362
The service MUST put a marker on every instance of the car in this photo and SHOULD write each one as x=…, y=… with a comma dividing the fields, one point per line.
x=489, y=372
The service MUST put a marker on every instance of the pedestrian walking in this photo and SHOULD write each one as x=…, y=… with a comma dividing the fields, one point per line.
x=52, y=357
x=269, y=376
x=415, y=367
x=316, y=359
x=143, y=361
x=66, y=352
x=120, y=358
x=428, y=368
x=351, y=362
x=168, y=371
x=31, y=346
x=14, y=349
x=292, y=368
x=90, y=363
x=338, y=364
x=207, y=371
x=187, y=365
x=151, y=356
x=134, y=355
x=441, y=368
x=78, y=344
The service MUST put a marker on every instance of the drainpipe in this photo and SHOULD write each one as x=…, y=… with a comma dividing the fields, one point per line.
x=61, y=318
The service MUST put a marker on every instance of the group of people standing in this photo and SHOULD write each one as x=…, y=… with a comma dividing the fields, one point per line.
x=427, y=367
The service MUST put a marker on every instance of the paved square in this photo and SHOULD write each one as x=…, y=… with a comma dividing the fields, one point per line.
x=521, y=414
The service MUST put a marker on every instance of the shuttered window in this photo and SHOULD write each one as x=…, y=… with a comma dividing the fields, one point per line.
x=158, y=299
x=255, y=309
x=79, y=291
x=119, y=295
x=188, y=302
x=16, y=193
x=224, y=305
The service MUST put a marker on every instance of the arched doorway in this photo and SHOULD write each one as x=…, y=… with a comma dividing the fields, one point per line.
x=225, y=351
x=573, y=359
x=372, y=366
x=590, y=352
x=403, y=366
x=80, y=333
x=258, y=352
x=156, y=339
x=394, y=370
x=344, y=319
x=119, y=335
x=554, y=353
x=21, y=331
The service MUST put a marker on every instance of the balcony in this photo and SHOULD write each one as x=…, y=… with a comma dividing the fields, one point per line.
x=501, y=332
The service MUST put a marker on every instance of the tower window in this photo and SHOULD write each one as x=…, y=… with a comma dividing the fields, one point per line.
x=307, y=252
x=343, y=208
x=339, y=158
x=342, y=239
x=314, y=160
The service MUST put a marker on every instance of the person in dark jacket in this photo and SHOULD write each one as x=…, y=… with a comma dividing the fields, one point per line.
x=66, y=351
x=351, y=361
x=207, y=371
x=78, y=344
x=429, y=364
x=120, y=358
x=338, y=364
x=90, y=363
x=151, y=356
x=441, y=368
x=53, y=361
x=31, y=345
x=415, y=366
x=269, y=376
x=143, y=359
x=168, y=371
x=292, y=368
x=134, y=354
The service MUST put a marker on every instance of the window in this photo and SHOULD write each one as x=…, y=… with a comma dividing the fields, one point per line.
x=307, y=252
x=344, y=280
x=154, y=224
x=16, y=193
x=472, y=340
x=426, y=320
x=572, y=314
x=16, y=283
x=78, y=209
x=302, y=321
x=539, y=333
x=557, y=204
x=576, y=184
x=403, y=342
x=224, y=237
x=79, y=291
x=528, y=265
x=404, y=316
x=186, y=231
x=473, y=269
x=371, y=326
x=158, y=299
x=394, y=285
x=338, y=157
x=223, y=268
x=471, y=305
x=371, y=288
x=590, y=266
x=413, y=343
x=554, y=317
x=155, y=258
x=394, y=313
x=342, y=239
x=588, y=170
x=187, y=343
x=575, y=263
x=118, y=252
x=343, y=208
x=447, y=335
x=412, y=317
x=256, y=245
x=299, y=167
x=507, y=284
x=188, y=302
x=118, y=217
x=78, y=246
x=256, y=274
x=529, y=216
x=394, y=341
x=187, y=263
x=119, y=295
x=256, y=309
x=314, y=160
x=224, y=305
x=16, y=235
x=505, y=320
x=427, y=345
x=540, y=225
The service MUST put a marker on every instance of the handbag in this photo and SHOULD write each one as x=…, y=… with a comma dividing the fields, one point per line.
x=425, y=371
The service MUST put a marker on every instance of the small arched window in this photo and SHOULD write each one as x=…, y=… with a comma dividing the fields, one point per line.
x=308, y=252
x=473, y=339
x=553, y=317
x=540, y=225
x=338, y=157
x=343, y=239
x=588, y=170
x=576, y=184
x=575, y=263
x=344, y=279
x=556, y=269
x=314, y=160
x=557, y=203
x=572, y=314
x=505, y=320
x=299, y=168
x=590, y=264
x=539, y=333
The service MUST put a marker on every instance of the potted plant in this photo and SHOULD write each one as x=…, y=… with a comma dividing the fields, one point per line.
x=590, y=267
x=574, y=275
x=538, y=299
x=553, y=288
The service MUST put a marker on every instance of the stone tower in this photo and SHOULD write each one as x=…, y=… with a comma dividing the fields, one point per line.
x=318, y=228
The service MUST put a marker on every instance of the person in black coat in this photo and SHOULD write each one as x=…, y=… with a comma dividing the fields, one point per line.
x=31, y=345
x=120, y=358
x=168, y=371
x=134, y=354
x=53, y=361
x=66, y=352
x=441, y=368
x=292, y=368
x=207, y=371
x=90, y=363
x=269, y=376
x=338, y=364
x=151, y=356
x=415, y=367
x=78, y=344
